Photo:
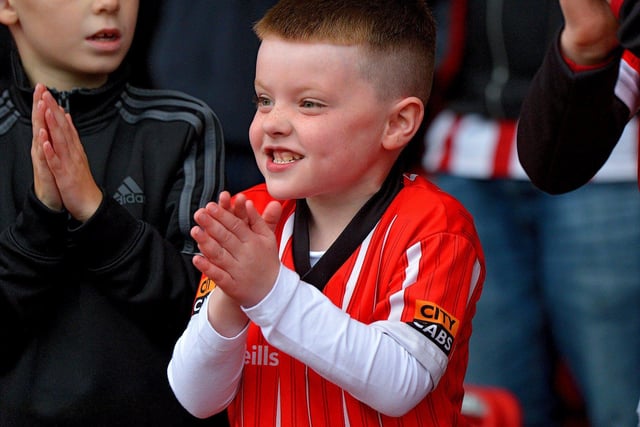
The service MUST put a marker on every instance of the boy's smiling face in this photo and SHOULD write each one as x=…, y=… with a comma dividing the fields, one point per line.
x=319, y=124
x=71, y=43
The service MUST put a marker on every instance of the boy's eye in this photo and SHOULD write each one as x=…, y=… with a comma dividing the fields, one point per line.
x=309, y=104
x=262, y=101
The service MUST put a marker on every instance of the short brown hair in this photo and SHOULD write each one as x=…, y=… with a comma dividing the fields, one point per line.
x=398, y=37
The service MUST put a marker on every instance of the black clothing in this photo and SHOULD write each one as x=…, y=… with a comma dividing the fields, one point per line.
x=570, y=122
x=6, y=44
x=89, y=313
x=491, y=51
x=563, y=141
x=213, y=58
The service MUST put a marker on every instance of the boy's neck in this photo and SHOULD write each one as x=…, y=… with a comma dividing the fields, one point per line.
x=327, y=221
x=329, y=216
x=62, y=81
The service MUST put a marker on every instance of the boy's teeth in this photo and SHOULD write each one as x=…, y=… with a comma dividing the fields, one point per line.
x=280, y=161
x=284, y=158
x=104, y=36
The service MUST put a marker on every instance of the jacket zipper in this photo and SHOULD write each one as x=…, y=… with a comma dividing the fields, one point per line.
x=64, y=101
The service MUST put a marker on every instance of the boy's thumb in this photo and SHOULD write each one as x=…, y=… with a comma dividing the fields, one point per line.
x=270, y=215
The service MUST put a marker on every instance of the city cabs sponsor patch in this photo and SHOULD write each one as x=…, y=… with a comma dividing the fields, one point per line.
x=435, y=323
x=205, y=287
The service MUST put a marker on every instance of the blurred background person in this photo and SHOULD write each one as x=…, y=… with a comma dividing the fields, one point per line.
x=572, y=122
x=560, y=270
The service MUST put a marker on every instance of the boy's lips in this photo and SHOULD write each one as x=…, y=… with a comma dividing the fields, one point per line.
x=281, y=160
x=108, y=40
x=105, y=35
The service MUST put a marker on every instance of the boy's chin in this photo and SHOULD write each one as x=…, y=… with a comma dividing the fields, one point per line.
x=282, y=190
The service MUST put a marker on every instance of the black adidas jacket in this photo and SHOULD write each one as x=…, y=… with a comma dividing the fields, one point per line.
x=89, y=313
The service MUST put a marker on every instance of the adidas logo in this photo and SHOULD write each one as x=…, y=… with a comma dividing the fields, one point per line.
x=129, y=192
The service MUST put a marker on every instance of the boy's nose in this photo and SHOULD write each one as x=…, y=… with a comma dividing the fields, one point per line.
x=106, y=5
x=276, y=122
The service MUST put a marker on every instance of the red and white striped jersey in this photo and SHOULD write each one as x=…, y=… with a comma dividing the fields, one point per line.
x=421, y=265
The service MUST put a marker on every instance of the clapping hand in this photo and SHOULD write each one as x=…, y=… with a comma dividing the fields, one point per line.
x=238, y=247
x=62, y=177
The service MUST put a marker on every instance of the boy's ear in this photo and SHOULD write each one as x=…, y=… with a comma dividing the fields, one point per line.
x=404, y=121
x=8, y=15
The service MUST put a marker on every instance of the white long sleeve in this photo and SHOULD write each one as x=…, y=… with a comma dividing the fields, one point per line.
x=362, y=359
x=205, y=369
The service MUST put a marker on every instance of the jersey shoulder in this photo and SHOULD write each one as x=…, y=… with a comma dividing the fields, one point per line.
x=426, y=209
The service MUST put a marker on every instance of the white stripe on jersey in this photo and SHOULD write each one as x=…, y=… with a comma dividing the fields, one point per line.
x=474, y=279
x=413, y=254
x=287, y=232
x=627, y=87
x=357, y=268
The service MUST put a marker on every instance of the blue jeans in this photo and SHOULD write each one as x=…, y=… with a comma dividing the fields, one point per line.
x=563, y=274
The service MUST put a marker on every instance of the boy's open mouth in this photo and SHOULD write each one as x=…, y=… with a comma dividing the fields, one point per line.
x=105, y=35
x=285, y=157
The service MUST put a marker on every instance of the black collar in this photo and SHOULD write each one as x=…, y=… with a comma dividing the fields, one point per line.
x=348, y=241
x=86, y=106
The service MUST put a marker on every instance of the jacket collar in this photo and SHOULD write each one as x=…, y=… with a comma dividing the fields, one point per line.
x=86, y=106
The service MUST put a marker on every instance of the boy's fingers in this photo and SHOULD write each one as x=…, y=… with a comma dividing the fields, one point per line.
x=38, y=127
x=62, y=137
x=232, y=229
x=60, y=122
x=55, y=136
x=214, y=260
x=224, y=200
x=210, y=270
x=239, y=207
x=211, y=235
x=271, y=214
x=209, y=247
x=72, y=132
x=37, y=109
x=203, y=218
x=57, y=113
